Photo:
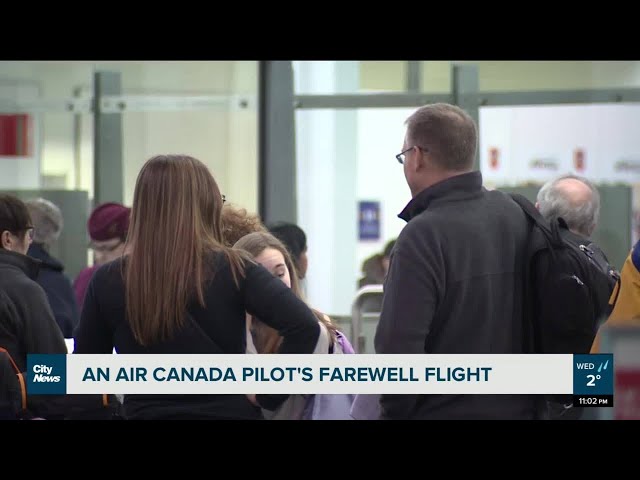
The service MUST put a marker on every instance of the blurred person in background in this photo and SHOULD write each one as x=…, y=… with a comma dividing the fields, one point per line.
x=294, y=238
x=625, y=298
x=238, y=222
x=48, y=223
x=375, y=268
x=573, y=203
x=108, y=225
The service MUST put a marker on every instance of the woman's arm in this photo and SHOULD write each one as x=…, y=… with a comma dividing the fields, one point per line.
x=270, y=300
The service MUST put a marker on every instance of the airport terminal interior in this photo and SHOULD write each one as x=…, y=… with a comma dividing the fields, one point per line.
x=314, y=143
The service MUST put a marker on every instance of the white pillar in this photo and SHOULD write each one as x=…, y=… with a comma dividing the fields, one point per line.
x=326, y=154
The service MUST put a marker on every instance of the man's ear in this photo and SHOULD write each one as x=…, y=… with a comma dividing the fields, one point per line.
x=537, y=205
x=421, y=160
x=5, y=240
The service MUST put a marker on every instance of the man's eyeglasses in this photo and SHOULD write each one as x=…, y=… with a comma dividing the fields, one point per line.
x=31, y=232
x=401, y=156
x=224, y=198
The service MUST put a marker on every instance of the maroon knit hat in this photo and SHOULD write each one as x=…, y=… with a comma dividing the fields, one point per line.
x=109, y=220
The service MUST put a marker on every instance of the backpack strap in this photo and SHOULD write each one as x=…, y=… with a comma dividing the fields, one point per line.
x=528, y=208
x=530, y=334
x=550, y=233
x=534, y=215
x=20, y=375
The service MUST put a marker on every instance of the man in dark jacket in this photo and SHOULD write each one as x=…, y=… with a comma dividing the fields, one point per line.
x=32, y=327
x=455, y=278
x=27, y=324
x=48, y=223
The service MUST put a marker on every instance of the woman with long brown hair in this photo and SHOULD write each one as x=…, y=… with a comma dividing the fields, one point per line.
x=271, y=253
x=181, y=290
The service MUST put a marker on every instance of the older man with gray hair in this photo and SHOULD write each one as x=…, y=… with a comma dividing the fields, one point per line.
x=574, y=199
x=48, y=222
x=576, y=202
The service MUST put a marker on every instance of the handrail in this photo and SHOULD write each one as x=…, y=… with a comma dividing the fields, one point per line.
x=356, y=313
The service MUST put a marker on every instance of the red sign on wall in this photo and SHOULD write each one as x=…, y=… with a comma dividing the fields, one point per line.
x=15, y=135
x=494, y=158
x=578, y=159
x=627, y=394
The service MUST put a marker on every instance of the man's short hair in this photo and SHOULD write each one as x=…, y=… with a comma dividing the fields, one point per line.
x=553, y=204
x=447, y=132
x=14, y=215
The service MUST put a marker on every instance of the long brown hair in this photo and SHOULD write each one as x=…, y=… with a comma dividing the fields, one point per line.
x=267, y=339
x=175, y=226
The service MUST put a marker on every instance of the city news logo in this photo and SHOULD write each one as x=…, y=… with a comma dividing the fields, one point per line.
x=593, y=380
x=46, y=374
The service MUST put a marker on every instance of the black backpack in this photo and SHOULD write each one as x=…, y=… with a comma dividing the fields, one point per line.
x=567, y=289
x=566, y=297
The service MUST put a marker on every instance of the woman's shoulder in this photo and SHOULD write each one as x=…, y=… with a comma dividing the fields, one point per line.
x=218, y=263
x=108, y=276
x=111, y=268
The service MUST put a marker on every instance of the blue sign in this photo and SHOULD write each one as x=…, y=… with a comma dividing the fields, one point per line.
x=46, y=374
x=369, y=221
x=593, y=374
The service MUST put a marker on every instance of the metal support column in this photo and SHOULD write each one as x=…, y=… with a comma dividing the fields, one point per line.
x=277, y=165
x=464, y=88
x=107, y=141
x=77, y=142
x=414, y=77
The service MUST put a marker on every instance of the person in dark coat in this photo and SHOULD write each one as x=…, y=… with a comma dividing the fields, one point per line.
x=180, y=290
x=27, y=324
x=47, y=221
x=455, y=281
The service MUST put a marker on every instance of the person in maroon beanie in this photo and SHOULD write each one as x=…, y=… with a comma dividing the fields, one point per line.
x=108, y=225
